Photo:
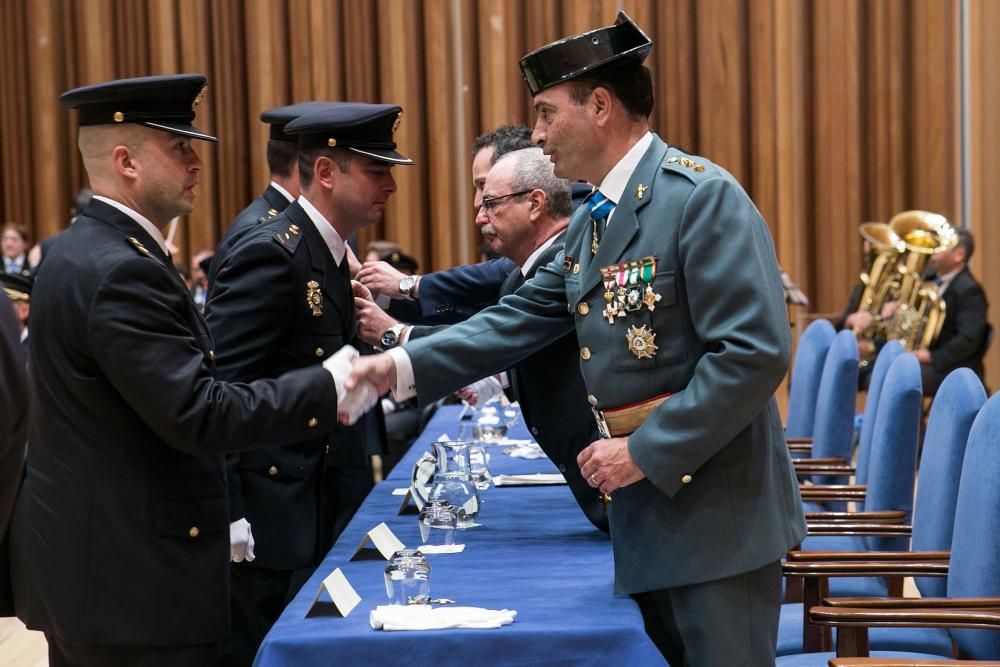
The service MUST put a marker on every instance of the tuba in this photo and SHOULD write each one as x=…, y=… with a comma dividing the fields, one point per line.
x=880, y=277
x=918, y=319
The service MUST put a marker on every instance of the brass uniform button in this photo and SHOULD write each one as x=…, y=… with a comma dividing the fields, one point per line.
x=119, y=117
x=211, y=354
x=272, y=471
x=585, y=353
x=319, y=352
x=193, y=532
x=592, y=400
x=686, y=479
x=313, y=422
x=582, y=308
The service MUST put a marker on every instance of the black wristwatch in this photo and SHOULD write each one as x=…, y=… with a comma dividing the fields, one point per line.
x=391, y=336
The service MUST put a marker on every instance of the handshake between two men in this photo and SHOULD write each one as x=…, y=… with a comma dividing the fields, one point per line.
x=360, y=381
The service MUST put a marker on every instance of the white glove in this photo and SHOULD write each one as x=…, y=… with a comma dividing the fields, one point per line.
x=350, y=405
x=483, y=391
x=240, y=541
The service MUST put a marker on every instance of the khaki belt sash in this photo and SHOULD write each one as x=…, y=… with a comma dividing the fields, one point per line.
x=623, y=421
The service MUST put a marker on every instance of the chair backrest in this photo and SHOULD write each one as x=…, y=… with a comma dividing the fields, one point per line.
x=810, y=353
x=883, y=361
x=833, y=431
x=975, y=546
x=956, y=405
x=892, y=463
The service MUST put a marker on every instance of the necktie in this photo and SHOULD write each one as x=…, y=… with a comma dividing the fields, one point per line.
x=600, y=208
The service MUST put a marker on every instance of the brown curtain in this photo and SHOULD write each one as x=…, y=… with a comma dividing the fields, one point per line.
x=830, y=112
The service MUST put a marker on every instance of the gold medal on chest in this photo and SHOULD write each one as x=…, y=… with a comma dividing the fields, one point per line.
x=314, y=298
x=640, y=342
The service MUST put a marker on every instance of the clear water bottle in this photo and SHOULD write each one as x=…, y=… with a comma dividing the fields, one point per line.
x=457, y=489
x=438, y=521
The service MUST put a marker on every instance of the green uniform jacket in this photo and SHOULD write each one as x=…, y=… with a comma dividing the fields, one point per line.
x=723, y=347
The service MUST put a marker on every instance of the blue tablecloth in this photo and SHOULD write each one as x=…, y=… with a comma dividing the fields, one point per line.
x=534, y=552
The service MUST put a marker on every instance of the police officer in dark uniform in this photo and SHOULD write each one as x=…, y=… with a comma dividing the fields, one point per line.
x=282, y=300
x=18, y=290
x=283, y=163
x=119, y=541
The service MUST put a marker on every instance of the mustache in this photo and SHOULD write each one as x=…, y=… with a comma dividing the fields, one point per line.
x=487, y=230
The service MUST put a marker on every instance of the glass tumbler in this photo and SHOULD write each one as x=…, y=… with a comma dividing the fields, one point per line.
x=408, y=578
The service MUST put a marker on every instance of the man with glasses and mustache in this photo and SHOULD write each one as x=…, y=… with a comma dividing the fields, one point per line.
x=524, y=215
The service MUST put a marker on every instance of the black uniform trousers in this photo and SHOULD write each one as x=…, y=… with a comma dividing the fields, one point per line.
x=64, y=653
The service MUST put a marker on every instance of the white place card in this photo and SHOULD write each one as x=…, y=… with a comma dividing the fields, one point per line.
x=401, y=491
x=383, y=543
x=409, y=504
x=341, y=593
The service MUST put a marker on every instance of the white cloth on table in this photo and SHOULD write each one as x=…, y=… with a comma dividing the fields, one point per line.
x=426, y=617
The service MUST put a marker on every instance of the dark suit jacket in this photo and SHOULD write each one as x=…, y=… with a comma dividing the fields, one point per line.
x=121, y=530
x=719, y=495
x=456, y=294
x=269, y=204
x=263, y=326
x=13, y=435
x=550, y=390
x=963, y=332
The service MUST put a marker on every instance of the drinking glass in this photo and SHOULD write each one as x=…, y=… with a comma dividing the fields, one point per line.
x=408, y=578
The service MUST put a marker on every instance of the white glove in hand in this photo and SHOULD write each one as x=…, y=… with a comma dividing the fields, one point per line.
x=240, y=541
x=484, y=390
x=350, y=405
x=339, y=365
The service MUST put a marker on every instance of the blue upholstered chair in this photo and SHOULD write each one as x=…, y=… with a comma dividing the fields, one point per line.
x=974, y=567
x=890, y=488
x=883, y=361
x=807, y=370
x=833, y=428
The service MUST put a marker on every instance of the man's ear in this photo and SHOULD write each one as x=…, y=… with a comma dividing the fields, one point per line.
x=538, y=204
x=124, y=162
x=600, y=104
x=324, y=171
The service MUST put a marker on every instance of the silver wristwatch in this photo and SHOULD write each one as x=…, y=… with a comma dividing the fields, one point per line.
x=406, y=286
x=391, y=336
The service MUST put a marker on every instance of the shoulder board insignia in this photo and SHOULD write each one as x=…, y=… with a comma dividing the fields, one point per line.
x=288, y=238
x=137, y=244
x=681, y=164
x=271, y=212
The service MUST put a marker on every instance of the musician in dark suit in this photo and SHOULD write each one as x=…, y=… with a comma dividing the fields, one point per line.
x=283, y=188
x=670, y=280
x=524, y=215
x=965, y=331
x=120, y=540
x=282, y=300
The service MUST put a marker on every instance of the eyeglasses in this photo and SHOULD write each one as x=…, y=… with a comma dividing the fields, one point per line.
x=490, y=204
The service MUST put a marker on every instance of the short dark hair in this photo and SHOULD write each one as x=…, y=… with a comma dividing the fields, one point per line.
x=504, y=139
x=629, y=80
x=966, y=241
x=281, y=157
x=308, y=156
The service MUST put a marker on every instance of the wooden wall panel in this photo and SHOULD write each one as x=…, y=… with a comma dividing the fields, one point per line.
x=984, y=21
x=831, y=112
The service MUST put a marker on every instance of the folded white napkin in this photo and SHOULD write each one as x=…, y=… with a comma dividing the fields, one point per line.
x=441, y=548
x=529, y=451
x=537, y=478
x=513, y=441
x=426, y=617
